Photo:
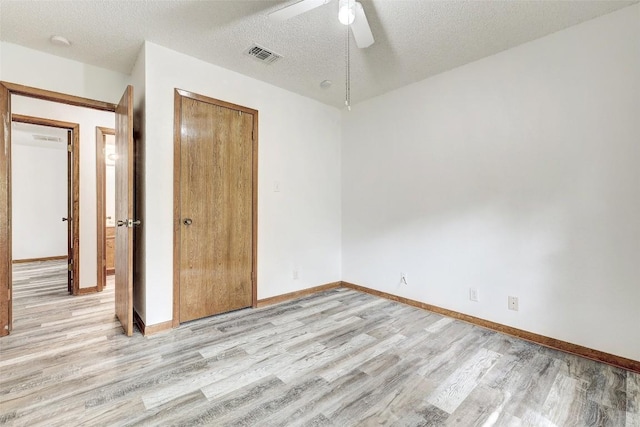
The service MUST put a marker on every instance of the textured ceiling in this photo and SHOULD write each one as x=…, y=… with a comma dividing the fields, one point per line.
x=415, y=39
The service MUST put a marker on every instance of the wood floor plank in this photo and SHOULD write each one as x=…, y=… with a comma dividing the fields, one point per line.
x=354, y=407
x=326, y=359
x=565, y=400
x=323, y=397
x=280, y=398
x=335, y=358
x=463, y=381
x=205, y=412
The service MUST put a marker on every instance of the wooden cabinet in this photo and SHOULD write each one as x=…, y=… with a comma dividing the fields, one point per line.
x=110, y=249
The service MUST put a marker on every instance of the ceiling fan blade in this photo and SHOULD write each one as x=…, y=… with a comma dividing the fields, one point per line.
x=296, y=9
x=360, y=28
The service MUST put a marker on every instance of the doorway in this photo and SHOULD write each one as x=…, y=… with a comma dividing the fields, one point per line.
x=124, y=140
x=54, y=192
x=215, y=206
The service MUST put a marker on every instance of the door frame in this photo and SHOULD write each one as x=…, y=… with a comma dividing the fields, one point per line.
x=101, y=132
x=178, y=95
x=74, y=197
x=6, y=90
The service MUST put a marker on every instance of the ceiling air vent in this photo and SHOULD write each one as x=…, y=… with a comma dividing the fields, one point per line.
x=263, y=55
x=47, y=138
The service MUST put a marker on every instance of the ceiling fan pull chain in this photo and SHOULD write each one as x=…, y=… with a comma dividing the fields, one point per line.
x=347, y=96
x=346, y=71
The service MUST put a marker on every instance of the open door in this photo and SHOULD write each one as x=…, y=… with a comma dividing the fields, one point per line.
x=5, y=211
x=124, y=211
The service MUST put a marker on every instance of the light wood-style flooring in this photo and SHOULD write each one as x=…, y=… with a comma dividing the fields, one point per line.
x=336, y=358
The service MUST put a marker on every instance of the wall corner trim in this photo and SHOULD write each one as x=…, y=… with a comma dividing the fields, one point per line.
x=151, y=329
x=87, y=291
x=297, y=294
x=556, y=344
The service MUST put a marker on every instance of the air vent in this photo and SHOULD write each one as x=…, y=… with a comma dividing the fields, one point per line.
x=261, y=54
x=47, y=138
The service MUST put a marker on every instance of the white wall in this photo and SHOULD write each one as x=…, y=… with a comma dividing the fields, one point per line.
x=518, y=174
x=299, y=146
x=38, y=69
x=88, y=119
x=39, y=202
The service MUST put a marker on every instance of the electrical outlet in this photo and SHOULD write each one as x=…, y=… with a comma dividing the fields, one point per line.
x=473, y=294
x=295, y=274
x=513, y=303
x=403, y=279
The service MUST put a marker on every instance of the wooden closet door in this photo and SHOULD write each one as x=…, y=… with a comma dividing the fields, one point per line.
x=216, y=179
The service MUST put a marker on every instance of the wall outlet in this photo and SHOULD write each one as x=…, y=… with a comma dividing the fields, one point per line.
x=513, y=303
x=403, y=279
x=473, y=294
x=295, y=274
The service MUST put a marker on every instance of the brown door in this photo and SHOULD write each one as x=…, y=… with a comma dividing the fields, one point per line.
x=5, y=211
x=215, y=209
x=124, y=211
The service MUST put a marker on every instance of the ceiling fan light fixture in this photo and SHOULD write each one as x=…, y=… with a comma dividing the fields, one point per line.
x=346, y=11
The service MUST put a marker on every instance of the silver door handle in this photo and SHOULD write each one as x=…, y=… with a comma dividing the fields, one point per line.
x=187, y=221
x=128, y=223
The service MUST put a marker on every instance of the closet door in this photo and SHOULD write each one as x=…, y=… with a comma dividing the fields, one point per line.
x=216, y=236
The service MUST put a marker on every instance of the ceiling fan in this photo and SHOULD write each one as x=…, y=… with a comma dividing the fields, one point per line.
x=350, y=12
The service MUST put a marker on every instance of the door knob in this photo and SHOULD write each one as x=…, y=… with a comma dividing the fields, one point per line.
x=65, y=219
x=187, y=221
x=128, y=223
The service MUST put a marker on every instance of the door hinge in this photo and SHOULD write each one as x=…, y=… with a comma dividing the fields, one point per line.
x=69, y=148
x=9, y=294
